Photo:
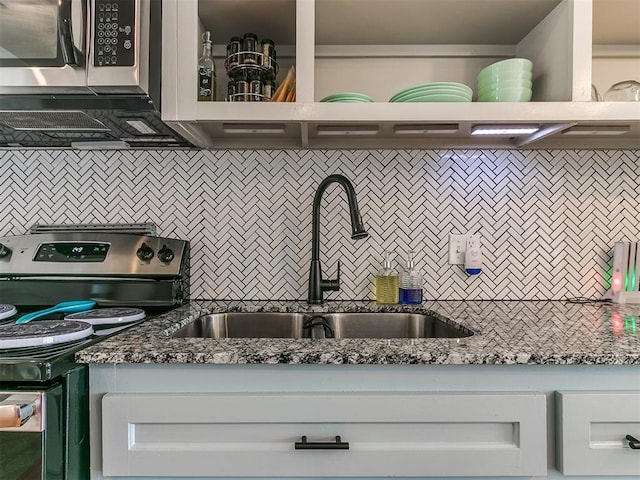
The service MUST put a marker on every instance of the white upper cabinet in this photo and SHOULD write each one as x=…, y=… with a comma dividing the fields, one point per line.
x=616, y=42
x=380, y=47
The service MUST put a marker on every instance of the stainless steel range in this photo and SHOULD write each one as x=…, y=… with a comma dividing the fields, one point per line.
x=112, y=276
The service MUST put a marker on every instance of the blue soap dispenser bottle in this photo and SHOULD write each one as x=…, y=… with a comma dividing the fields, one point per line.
x=410, y=283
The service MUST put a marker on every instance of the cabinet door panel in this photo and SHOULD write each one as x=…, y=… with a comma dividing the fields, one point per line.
x=399, y=434
x=592, y=427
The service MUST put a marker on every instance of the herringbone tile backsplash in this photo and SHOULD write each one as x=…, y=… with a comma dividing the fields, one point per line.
x=547, y=219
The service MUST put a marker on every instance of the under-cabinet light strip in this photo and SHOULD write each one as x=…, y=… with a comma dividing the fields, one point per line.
x=503, y=130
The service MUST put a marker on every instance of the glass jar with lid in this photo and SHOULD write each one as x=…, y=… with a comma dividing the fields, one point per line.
x=242, y=91
x=231, y=91
x=268, y=89
x=268, y=50
x=255, y=87
x=234, y=47
x=250, y=49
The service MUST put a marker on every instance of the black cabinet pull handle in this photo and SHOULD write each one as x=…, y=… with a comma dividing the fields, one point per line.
x=633, y=442
x=337, y=445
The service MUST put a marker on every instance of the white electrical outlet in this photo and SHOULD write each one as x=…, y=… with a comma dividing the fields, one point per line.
x=458, y=247
x=473, y=241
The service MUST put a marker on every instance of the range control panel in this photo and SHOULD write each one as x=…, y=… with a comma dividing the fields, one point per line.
x=114, y=33
x=72, y=252
x=92, y=254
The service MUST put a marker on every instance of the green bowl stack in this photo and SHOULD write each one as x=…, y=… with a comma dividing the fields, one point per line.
x=506, y=81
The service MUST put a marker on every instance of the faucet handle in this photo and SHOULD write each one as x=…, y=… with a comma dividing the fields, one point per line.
x=332, y=284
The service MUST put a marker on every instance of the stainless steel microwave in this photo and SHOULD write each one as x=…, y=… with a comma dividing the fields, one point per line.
x=75, y=46
x=81, y=70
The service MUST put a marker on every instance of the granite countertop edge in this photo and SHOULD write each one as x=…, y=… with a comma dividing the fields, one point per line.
x=504, y=333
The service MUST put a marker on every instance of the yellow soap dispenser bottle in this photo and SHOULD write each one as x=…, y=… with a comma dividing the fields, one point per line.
x=387, y=281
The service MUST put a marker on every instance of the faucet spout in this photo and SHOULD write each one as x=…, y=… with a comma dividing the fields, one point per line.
x=316, y=284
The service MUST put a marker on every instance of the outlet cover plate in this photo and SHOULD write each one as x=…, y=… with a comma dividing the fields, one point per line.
x=457, y=248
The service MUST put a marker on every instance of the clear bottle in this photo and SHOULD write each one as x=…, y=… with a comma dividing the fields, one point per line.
x=410, y=283
x=206, y=71
x=387, y=283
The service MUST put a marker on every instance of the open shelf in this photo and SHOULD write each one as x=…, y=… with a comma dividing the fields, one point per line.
x=390, y=46
x=381, y=47
x=616, y=42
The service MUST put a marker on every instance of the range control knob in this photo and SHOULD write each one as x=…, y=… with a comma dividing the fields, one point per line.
x=165, y=254
x=145, y=252
x=4, y=251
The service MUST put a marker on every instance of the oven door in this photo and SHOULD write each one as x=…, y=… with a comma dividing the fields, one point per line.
x=22, y=427
x=43, y=46
x=44, y=431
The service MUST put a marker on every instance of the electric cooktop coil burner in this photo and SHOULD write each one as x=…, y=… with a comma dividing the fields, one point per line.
x=108, y=316
x=43, y=333
x=7, y=311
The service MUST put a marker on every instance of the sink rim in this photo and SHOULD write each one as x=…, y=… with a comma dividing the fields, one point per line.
x=301, y=316
x=426, y=318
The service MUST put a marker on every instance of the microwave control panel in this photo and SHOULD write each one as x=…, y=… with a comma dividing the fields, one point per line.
x=114, y=27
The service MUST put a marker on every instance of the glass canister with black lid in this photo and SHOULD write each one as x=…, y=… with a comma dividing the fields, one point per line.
x=234, y=47
x=268, y=57
x=268, y=89
x=251, y=67
x=231, y=91
x=250, y=49
x=255, y=87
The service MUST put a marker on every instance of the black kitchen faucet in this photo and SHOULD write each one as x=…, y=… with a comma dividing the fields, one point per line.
x=316, y=284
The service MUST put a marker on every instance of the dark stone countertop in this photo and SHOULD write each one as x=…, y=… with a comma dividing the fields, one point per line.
x=505, y=332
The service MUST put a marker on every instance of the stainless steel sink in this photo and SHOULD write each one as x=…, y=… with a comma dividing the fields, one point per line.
x=245, y=325
x=321, y=326
x=392, y=325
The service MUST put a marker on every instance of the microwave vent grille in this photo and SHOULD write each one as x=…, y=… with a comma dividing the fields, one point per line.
x=42, y=120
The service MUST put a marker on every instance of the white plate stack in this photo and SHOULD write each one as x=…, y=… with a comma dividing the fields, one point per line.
x=506, y=81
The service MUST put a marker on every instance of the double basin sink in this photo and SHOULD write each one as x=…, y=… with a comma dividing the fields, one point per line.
x=321, y=326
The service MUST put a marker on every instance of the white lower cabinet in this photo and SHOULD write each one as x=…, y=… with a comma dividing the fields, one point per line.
x=415, y=434
x=592, y=428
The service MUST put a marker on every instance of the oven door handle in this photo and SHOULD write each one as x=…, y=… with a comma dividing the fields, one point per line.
x=16, y=415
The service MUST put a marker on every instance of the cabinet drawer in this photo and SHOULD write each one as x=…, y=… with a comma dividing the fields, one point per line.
x=395, y=434
x=591, y=429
